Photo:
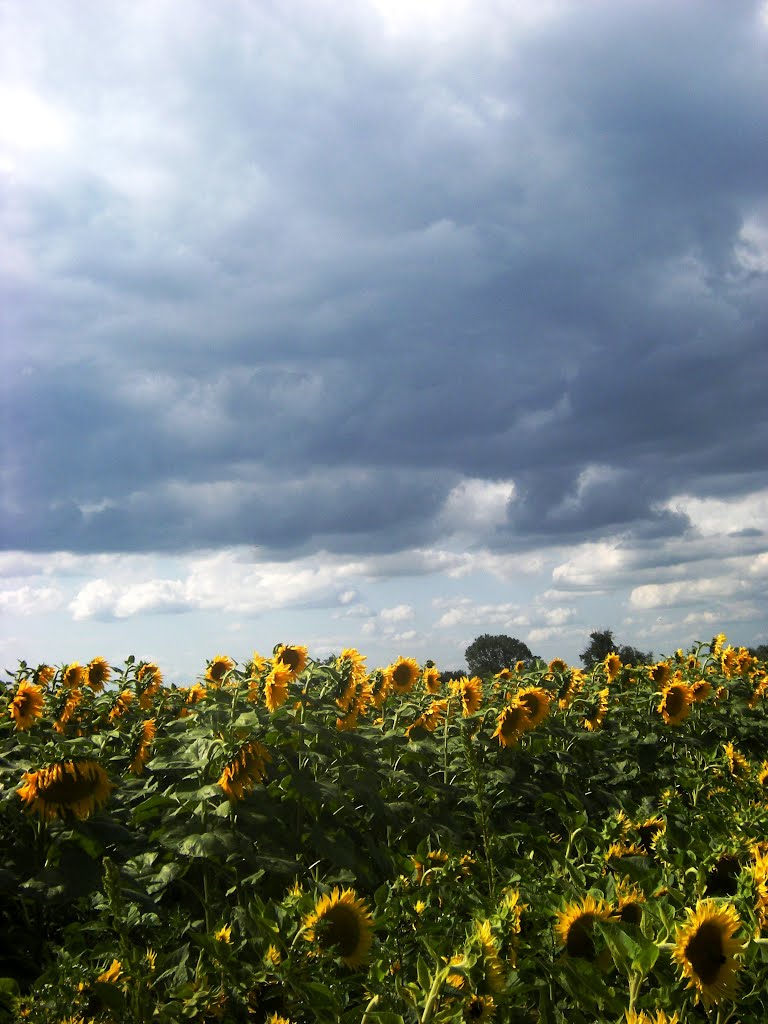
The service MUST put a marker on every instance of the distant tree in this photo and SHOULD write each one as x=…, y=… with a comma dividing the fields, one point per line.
x=602, y=643
x=488, y=654
x=761, y=652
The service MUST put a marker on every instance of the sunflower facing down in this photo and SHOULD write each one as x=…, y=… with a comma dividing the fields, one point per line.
x=480, y=1008
x=341, y=923
x=27, y=706
x=276, y=687
x=431, y=680
x=66, y=787
x=705, y=951
x=247, y=767
x=574, y=926
x=143, y=747
x=594, y=720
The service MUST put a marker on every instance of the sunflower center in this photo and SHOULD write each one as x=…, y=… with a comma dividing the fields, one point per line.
x=705, y=952
x=631, y=913
x=340, y=928
x=579, y=942
x=290, y=658
x=67, y=790
x=401, y=675
x=675, y=701
x=24, y=704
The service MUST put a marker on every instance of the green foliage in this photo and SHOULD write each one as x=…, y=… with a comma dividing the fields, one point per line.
x=487, y=654
x=185, y=896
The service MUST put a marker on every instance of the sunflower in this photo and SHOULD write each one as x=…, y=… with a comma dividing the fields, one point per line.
x=276, y=686
x=649, y=832
x=149, y=679
x=738, y=765
x=469, y=692
x=65, y=711
x=27, y=706
x=291, y=657
x=660, y=673
x=256, y=666
x=675, y=703
x=73, y=676
x=66, y=787
x=716, y=645
x=246, y=768
x=557, y=665
x=224, y=934
x=341, y=922
x=641, y=1017
x=538, y=703
x=122, y=703
x=435, y=860
x=574, y=926
x=142, y=749
x=45, y=674
x=98, y=674
x=112, y=974
x=494, y=972
x=701, y=689
x=705, y=951
x=218, y=669
x=275, y=1018
x=574, y=683
x=630, y=899
x=403, y=674
x=431, y=680
x=762, y=775
x=512, y=722
x=612, y=663
x=195, y=693
x=599, y=710
x=480, y=1008
x=428, y=721
x=379, y=684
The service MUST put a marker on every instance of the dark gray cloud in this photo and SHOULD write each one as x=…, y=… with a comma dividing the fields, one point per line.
x=291, y=280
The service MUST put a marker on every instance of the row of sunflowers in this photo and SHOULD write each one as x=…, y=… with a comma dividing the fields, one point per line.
x=289, y=841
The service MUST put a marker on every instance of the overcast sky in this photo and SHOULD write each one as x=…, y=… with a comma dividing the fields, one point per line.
x=381, y=323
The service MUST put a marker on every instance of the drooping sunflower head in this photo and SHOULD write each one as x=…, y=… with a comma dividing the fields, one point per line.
x=247, y=767
x=27, y=706
x=675, y=703
x=596, y=714
x=738, y=765
x=538, y=702
x=470, y=693
x=218, y=668
x=403, y=674
x=512, y=722
x=379, y=684
x=558, y=665
x=98, y=674
x=292, y=657
x=706, y=951
x=489, y=954
x=575, y=926
x=142, y=746
x=701, y=689
x=341, y=923
x=723, y=876
x=612, y=663
x=66, y=788
x=276, y=686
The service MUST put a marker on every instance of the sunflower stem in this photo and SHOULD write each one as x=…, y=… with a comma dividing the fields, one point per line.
x=482, y=812
x=434, y=994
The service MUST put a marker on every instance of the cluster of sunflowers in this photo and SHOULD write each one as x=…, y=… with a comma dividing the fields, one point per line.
x=288, y=841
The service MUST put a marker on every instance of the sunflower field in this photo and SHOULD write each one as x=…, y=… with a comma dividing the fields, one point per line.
x=289, y=842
